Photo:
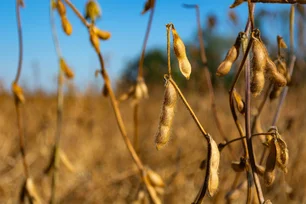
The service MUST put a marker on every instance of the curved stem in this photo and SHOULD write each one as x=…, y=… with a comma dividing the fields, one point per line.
x=54, y=33
x=207, y=74
x=140, y=76
x=240, y=138
x=20, y=41
x=248, y=116
x=76, y=11
x=168, y=26
x=17, y=102
x=193, y=115
x=59, y=116
x=140, y=66
x=118, y=114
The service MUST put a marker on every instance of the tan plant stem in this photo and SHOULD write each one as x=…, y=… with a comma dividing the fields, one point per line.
x=115, y=106
x=280, y=104
x=76, y=11
x=231, y=98
x=168, y=26
x=145, y=42
x=248, y=117
x=140, y=76
x=290, y=71
x=17, y=102
x=207, y=74
x=193, y=115
x=240, y=138
x=59, y=116
x=136, y=127
x=261, y=106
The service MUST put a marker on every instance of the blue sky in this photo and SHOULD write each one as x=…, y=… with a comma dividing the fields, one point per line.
x=121, y=17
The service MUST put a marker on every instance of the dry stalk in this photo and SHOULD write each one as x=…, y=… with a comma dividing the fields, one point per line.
x=54, y=165
x=140, y=77
x=17, y=100
x=248, y=115
x=207, y=74
x=117, y=112
x=290, y=71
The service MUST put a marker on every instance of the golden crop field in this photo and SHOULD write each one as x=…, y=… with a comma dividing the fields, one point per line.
x=229, y=134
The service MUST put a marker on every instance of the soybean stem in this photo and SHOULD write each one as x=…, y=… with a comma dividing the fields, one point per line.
x=207, y=73
x=17, y=102
x=168, y=26
x=193, y=115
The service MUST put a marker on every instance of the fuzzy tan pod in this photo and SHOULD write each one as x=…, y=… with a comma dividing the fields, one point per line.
x=103, y=35
x=152, y=192
x=282, y=156
x=141, y=90
x=282, y=69
x=166, y=118
x=93, y=10
x=213, y=182
x=269, y=174
x=276, y=77
x=180, y=52
x=94, y=39
x=18, y=93
x=29, y=192
x=230, y=58
x=64, y=159
x=239, y=102
x=260, y=170
x=67, y=27
x=257, y=83
x=155, y=179
x=66, y=69
x=61, y=8
x=224, y=68
x=260, y=54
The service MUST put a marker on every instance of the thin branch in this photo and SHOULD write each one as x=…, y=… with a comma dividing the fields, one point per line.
x=222, y=145
x=54, y=33
x=248, y=116
x=118, y=114
x=59, y=116
x=168, y=26
x=140, y=76
x=193, y=115
x=20, y=41
x=290, y=71
x=76, y=11
x=284, y=93
x=17, y=102
x=207, y=73
x=140, y=66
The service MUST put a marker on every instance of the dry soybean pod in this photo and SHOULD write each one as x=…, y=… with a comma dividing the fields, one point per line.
x=269, y=174
x=166, y=118
x=180, y=52
x=275, y=76
x=213, y=182
x=258, y=64
x=230, y=57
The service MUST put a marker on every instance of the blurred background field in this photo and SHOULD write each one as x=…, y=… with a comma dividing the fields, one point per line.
x=104, y=171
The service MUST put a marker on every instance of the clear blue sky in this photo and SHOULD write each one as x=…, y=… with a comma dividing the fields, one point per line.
x=121, y=17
